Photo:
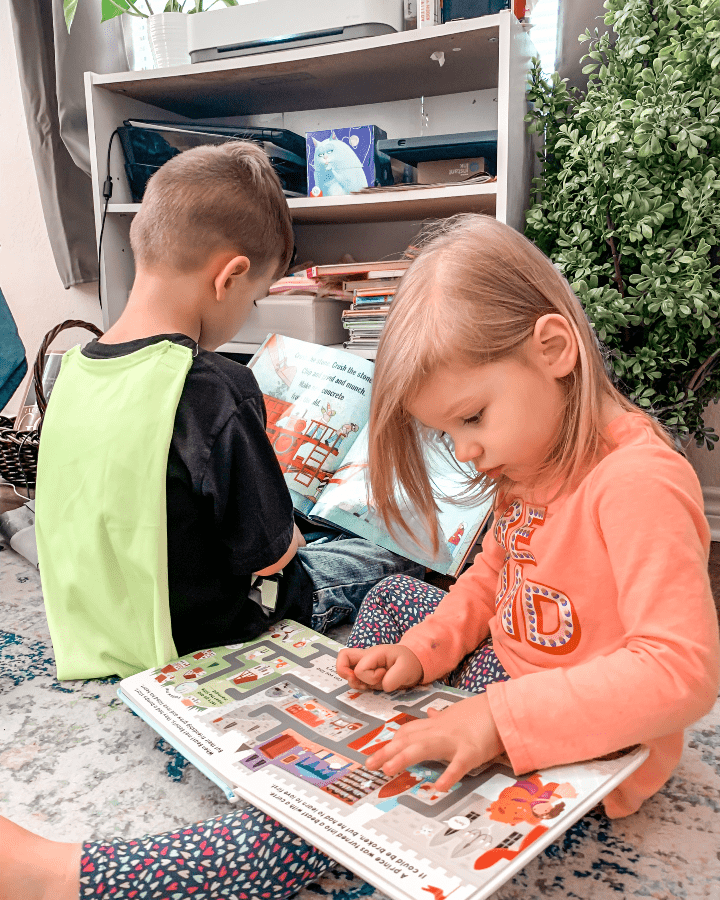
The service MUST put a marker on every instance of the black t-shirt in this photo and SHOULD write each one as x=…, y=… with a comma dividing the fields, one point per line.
x=229, y=511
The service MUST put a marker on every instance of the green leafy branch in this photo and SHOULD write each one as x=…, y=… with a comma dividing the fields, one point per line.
x=627, y=203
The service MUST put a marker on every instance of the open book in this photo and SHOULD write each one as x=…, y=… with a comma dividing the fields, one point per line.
x=271, y=721
x=318, y=403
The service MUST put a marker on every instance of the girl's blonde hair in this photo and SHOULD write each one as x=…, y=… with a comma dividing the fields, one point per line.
x=472, y=296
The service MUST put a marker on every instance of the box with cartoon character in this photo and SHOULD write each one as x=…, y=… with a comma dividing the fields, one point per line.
x=343, y=160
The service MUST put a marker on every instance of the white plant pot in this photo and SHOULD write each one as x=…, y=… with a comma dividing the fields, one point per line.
x=169, y=39
x=137, y=43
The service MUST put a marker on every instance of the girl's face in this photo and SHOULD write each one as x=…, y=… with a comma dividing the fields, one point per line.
x=503, y=417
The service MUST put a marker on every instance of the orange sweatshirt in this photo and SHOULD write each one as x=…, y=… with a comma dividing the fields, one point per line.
x=600, y=610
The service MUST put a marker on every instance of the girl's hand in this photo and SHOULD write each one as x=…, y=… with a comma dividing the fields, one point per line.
x=463, y=735
x=386, y=667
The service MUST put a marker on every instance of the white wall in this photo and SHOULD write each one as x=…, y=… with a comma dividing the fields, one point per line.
x=28, y=277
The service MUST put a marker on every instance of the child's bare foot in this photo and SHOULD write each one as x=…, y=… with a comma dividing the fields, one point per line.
x=35, y=868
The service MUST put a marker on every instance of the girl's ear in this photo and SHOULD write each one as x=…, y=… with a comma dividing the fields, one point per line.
x=555, y=345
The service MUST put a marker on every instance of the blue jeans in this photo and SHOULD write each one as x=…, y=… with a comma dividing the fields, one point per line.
x=343, y=569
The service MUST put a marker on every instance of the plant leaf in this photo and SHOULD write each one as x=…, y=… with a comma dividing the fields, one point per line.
x=112, y=8
x=69, y=9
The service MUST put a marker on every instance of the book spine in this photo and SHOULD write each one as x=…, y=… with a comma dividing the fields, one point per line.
x=179, y=746
x=387, y=273
x=374, y=296
x=428, y=13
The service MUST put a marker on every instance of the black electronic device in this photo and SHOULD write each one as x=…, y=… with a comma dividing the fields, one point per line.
x=281, y=137
x=444, y=146
x=147, y=145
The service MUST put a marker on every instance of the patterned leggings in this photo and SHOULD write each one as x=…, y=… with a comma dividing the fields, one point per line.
x=246, y=854
x=396, y=604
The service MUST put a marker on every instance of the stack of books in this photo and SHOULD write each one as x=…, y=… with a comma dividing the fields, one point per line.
x=371, y=287
x=304, y=283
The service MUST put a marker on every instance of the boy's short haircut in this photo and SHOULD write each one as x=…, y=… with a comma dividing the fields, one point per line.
x=209, y=199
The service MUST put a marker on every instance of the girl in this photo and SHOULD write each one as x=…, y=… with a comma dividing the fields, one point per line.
x=588, y=615
x=586, y=624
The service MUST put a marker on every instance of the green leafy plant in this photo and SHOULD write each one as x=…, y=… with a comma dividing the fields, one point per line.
x=112, y=8
x=627, y=204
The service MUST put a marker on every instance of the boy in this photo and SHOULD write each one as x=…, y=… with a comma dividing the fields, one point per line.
x=159, y=496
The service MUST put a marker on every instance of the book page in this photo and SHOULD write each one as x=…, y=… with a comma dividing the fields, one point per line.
x=274, y=720
x=346, y=503
x=317, y=401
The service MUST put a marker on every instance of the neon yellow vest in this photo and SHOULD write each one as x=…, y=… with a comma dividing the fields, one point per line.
x=100, y=507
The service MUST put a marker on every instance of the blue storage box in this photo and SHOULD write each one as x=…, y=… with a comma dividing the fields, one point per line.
x=343, y=160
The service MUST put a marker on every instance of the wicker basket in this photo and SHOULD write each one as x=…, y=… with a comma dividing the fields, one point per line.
x=19, y=449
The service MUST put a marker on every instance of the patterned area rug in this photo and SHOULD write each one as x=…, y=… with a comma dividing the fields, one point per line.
x=75, y=764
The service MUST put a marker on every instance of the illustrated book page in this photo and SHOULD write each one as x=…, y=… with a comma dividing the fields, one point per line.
x=318, y=401
x=347, y=503
x=273, y=723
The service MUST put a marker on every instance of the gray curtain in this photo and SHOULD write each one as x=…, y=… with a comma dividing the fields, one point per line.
x=51, y=65
x=575, y=16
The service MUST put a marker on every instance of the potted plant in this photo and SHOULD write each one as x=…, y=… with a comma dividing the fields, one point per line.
x=166, y=26
x=627, y=204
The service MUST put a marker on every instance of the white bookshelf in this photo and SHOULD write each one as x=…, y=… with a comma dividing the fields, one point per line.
x=390, y=81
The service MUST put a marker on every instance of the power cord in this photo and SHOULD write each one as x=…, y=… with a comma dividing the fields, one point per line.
x=107, y=194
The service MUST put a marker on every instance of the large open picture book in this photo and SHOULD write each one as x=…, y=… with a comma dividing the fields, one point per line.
x=270, y=721
x=318, y=404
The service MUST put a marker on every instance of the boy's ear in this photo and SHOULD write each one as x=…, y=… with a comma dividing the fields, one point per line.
x=555, y=345
x=230, y=270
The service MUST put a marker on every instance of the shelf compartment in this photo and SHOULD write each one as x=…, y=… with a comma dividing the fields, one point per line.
x=423, y=203
x=378, y=69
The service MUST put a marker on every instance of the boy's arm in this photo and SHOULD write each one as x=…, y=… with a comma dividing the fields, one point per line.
x=253, y=509
x=297, y=541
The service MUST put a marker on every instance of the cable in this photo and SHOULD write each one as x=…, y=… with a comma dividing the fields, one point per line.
x=107, y=194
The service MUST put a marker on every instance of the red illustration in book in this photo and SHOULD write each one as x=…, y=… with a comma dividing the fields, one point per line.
x=437, y=892
x=175, y=666
x=401, y=783
x=494, y=855
x=377, y=738
x=194, y=673
x=260, y=671
x=529, y=800
x=288, y=434
x=457, y=536
x=343, y=432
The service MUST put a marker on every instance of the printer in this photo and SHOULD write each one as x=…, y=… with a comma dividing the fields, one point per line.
x=282, y=24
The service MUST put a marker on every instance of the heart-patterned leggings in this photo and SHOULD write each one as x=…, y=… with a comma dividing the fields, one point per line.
x=245, y=853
